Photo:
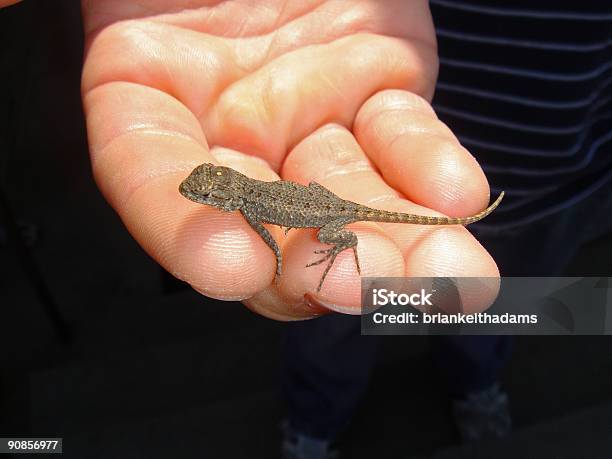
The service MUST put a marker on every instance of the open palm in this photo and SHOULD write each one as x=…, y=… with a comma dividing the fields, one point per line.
x=330, y=91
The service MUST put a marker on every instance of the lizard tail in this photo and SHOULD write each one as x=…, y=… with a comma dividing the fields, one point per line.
x=399, y=217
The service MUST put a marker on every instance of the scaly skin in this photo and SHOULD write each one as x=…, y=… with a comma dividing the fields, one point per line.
x=292, y=205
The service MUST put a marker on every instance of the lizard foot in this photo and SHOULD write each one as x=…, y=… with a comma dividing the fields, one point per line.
x=318, y=262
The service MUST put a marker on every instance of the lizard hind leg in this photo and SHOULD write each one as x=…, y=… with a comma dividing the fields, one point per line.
x=334, y=234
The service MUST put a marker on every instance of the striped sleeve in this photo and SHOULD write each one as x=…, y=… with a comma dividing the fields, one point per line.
x=527, y=87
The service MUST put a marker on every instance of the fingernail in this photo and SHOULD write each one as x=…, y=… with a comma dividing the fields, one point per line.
x=318, y=305
x=314, y=306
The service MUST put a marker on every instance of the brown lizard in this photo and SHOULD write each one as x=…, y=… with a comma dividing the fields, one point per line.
x=292, y=205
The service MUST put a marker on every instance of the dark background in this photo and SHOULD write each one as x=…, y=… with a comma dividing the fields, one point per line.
x=156, y=370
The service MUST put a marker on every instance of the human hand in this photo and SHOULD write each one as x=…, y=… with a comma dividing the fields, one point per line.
x=334, y=92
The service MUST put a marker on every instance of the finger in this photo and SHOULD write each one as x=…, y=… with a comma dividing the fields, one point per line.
x=143, y=143
x=261, y=296
x=332, y=157
x=137, y=134
x=271, y=304
x=419, y=156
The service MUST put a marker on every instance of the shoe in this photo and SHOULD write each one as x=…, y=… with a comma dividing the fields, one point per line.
x=297, y=445
x=483, y=415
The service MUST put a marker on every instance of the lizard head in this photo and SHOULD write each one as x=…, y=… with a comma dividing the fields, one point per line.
x=211, y=185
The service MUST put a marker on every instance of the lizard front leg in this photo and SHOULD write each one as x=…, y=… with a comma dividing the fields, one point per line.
x=334, y=234
x=267, y=237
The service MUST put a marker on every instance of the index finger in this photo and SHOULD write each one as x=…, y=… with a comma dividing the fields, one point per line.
x=143, y=143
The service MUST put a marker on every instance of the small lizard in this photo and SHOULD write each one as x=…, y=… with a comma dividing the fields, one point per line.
x=292, y=205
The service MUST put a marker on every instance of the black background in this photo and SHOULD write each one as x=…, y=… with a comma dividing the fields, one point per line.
x=155, y=370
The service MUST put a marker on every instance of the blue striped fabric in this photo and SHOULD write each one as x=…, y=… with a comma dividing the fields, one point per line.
x=527, y=88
